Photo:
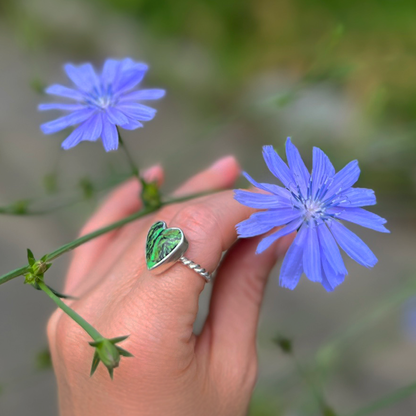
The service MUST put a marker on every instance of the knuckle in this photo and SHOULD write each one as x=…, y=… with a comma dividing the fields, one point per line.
x=198, y=220
x=239, y=377
x=169, y=211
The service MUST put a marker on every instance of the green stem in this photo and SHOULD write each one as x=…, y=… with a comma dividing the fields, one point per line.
x=387, y=401
x=309, y=381
x=132, y=163
x=90, y=330
x=84, y=239
x=13, y=209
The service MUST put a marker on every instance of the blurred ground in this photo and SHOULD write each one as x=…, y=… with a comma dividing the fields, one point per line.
x=199, y=121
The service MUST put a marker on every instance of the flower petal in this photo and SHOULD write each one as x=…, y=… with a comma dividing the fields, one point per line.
x=115, y=116
x=312, y=255
x=259, y=223
x=132, y=125
x=66, y=92
x=83, y=76
x=269, y=240
x=292, y=266
x=262, y=222
x=357, y=197
x=93, y=128
x=299, y=171
x=73, y=139
x=330, y=278
x=137, y=111
x=109, y=136
x=344, y=179
x=153, y=94
x=276, y=166
x=109, y=72
x=63, y=107
x=330, y=249
x=353, y=245
x=260, y=200
x=322, y=169
x=90, y=130
x=361, y=217
x=268, y=187
x=71, y=119
x=130, y=77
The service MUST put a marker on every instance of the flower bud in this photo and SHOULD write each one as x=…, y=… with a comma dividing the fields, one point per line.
x=150, y=195
x=108, y=353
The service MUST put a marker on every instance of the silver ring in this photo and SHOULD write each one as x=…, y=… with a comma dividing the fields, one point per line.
x=165, y=246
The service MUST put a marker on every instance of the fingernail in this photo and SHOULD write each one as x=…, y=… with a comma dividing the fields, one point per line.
x=224, y=163
x=153, y=173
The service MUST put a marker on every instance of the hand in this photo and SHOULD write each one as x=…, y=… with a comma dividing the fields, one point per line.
x=173, y=372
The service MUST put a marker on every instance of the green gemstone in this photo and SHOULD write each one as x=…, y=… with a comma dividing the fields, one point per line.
x=161, y=241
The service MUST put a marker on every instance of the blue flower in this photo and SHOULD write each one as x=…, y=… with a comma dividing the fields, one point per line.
x=313, y=204
x=101, y=102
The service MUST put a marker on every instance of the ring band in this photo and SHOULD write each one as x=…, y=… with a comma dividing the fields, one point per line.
x=165, y=246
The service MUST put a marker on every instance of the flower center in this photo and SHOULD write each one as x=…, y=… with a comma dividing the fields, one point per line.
x=103, y=102
x=313, y=209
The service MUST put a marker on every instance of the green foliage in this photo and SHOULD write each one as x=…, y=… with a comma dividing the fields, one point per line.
x=150, y=194
x=87, y=188
x=43, y=360
x=285, y=344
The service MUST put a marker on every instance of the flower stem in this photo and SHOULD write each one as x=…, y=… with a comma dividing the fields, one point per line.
x=133, y=166
x=90, y=330
x=84, y=239
x=23, y=208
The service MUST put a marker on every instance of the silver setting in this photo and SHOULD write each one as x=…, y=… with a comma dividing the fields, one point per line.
x=178, y=255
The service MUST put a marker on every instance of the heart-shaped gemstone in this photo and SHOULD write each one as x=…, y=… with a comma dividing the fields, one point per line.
x=164, y=245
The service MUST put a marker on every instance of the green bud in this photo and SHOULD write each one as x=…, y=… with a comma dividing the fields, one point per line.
x=36, y=269
x=87, y=188
x=285, y=344
x=43, y=360
x=150, y=194
x=19, y=207
x=108, y=353
x=38, y=85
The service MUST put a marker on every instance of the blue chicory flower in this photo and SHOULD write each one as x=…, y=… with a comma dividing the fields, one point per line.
x=313, y=204
x=102, y=102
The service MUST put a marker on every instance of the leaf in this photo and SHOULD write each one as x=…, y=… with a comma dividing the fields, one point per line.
x=124, y=353
x=95, y=362
x=96, y=343
x=118, y=339
x=30, y=257
x=60, y=295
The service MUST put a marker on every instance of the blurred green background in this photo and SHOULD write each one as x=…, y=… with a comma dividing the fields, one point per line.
x=238, y=74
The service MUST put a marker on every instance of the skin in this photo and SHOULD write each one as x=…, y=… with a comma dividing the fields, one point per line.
x=173, y=372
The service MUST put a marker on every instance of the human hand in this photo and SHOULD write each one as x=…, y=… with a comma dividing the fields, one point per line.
x=174, y=371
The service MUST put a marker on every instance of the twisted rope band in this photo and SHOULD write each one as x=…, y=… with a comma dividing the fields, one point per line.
x=196, y=267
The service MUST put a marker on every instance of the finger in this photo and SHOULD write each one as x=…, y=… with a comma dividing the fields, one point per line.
x=209, y=226
x=222, y=174
x=237, y=296
x=122, y=202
